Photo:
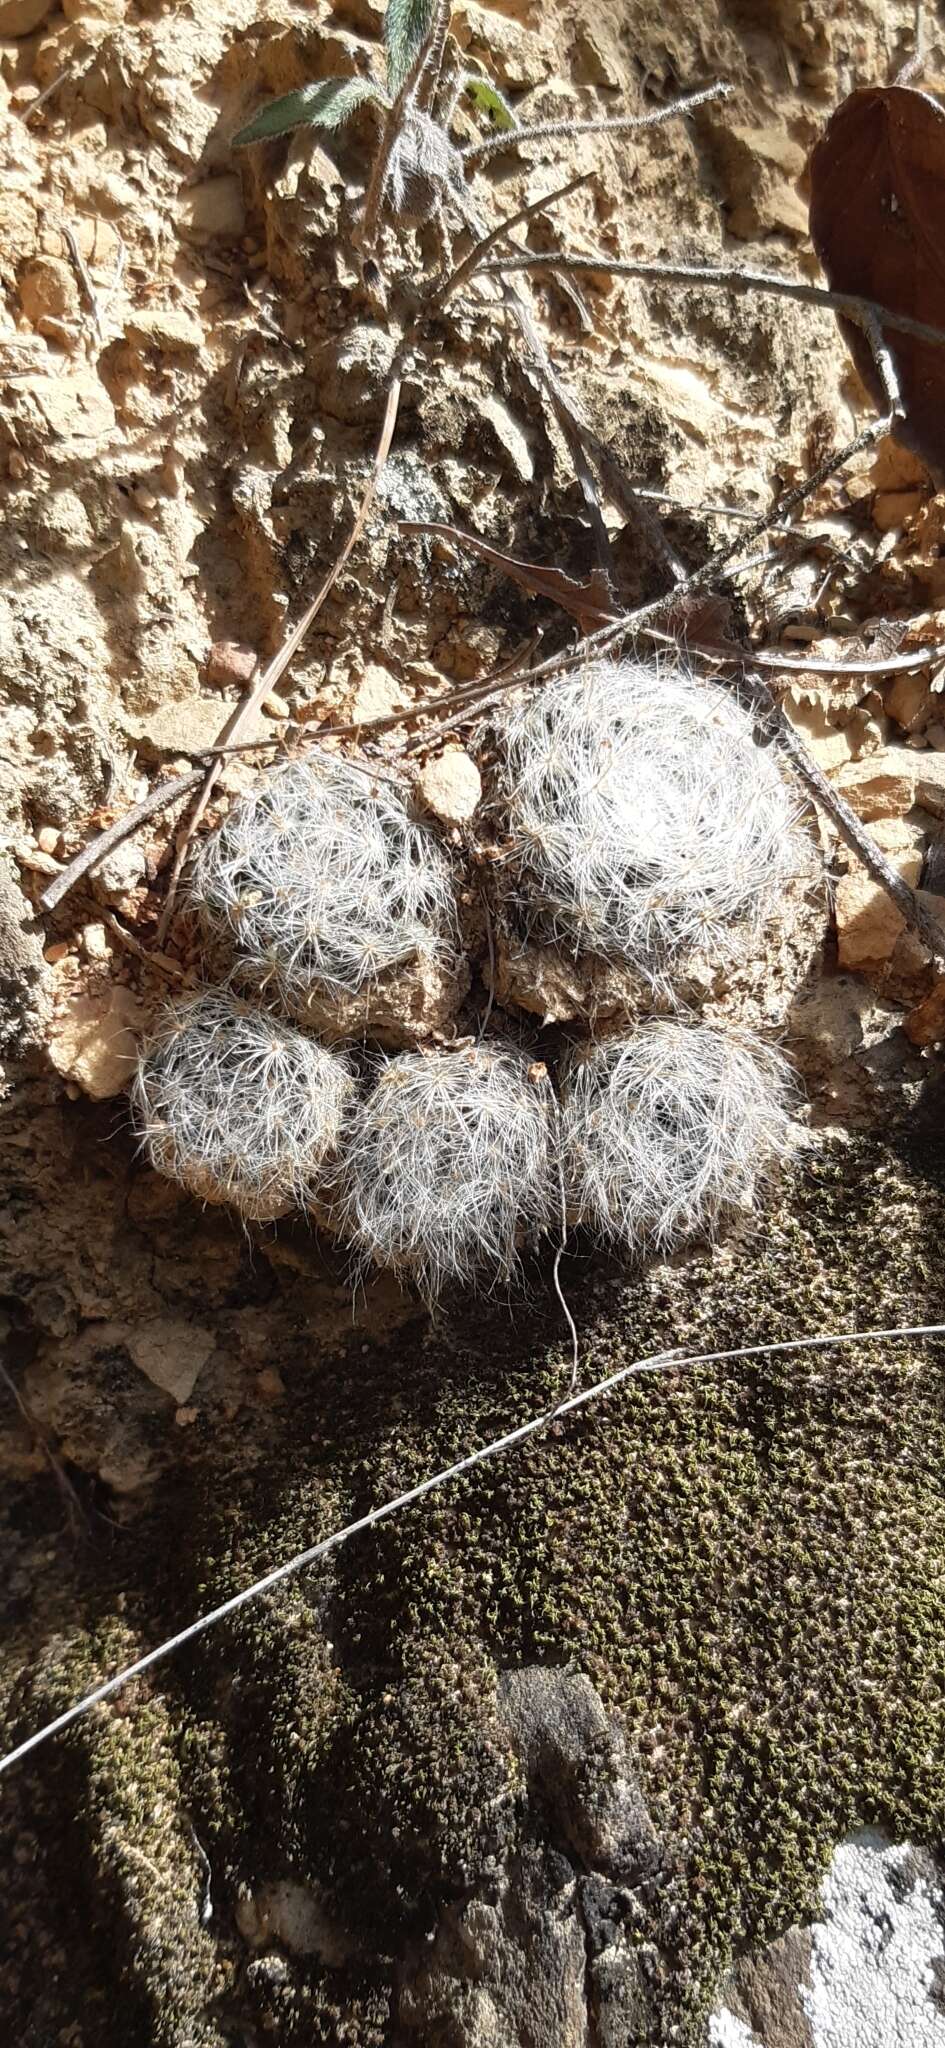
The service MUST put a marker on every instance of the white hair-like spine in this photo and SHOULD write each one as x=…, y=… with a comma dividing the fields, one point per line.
x=645, y=823
x=238, y=1106
x=664, y=1131
x=449, y=1165
x=322, y=879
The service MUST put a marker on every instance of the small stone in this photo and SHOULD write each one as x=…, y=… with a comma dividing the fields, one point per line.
x=48, y=839
x=53, y=954
x=450, y=786
x=166, y=328
x=376, y=696
x=48, y=291
x=882, y=786
x=93, y=1041
x=868, y=922
x=187, y=727
x=229, y=662
x=171, y=1353
x=510, y=435
x=909, y=701
x=95, y=945
x=215, y=207
x=891, y=509
x=120, y=870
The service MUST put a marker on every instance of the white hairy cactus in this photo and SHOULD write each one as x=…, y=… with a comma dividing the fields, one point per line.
x=239, y=1106
x=664, y=1131
x=325, y=882
x=449, y=1164
x=645, y=823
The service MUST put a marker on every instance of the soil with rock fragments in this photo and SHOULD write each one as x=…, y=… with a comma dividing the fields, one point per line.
x=540, y=1761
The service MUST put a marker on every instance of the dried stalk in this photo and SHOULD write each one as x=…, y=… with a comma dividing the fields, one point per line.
x=852, y=304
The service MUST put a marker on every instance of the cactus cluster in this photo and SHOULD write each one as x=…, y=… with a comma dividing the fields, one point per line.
x=633, y=817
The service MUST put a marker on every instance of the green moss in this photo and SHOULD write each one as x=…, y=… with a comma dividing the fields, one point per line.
x=748, y=1560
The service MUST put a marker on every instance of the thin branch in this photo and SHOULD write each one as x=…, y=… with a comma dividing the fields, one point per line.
x=659, y=1363
x=821, y=664
x=47, y=93
x=488, y=241
x=84, y=278
x=566, y=411
x=852, y=832
x=377, y=183
x=852, y=304
x=629, y=124
x=157, y=800
x=697, y=511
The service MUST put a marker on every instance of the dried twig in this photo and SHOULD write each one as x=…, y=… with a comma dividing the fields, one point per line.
x=852, y=304
x=156, y=800
x=47, y=93
x=820, y=664
x=84, y=277
x=480, y=249
x=777, y=727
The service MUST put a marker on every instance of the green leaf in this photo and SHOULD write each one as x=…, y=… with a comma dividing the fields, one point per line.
x=407, y=25
x=326, y=105
x=489, y=100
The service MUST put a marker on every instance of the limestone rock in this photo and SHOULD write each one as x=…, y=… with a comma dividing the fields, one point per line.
x=868, y=922
x=49, y=294
x=216, y=207
x=450, y=786
x=171, y=1353
x=120, y=870
x=21, y=966
x=864, y=1975
x=93, y=1040
x=168, y=329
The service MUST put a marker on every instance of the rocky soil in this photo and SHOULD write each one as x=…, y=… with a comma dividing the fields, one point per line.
x=535, y=1762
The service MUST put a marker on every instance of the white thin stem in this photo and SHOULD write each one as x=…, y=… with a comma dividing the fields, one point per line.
x=546, y=131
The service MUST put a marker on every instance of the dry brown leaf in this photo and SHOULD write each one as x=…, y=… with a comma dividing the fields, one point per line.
x=877, y=218
x=589, y=601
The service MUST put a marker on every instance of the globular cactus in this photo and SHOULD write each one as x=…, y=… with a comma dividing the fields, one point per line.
x=664, y=1131
x=449, y=1165
x=239, y=1106
x=323, y=882
x=645, y=824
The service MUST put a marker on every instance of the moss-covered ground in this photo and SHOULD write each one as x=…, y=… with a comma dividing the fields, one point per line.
x=747, y=1560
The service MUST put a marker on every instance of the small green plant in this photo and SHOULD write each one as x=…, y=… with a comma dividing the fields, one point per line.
x=330, y=102
x=418, y=170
